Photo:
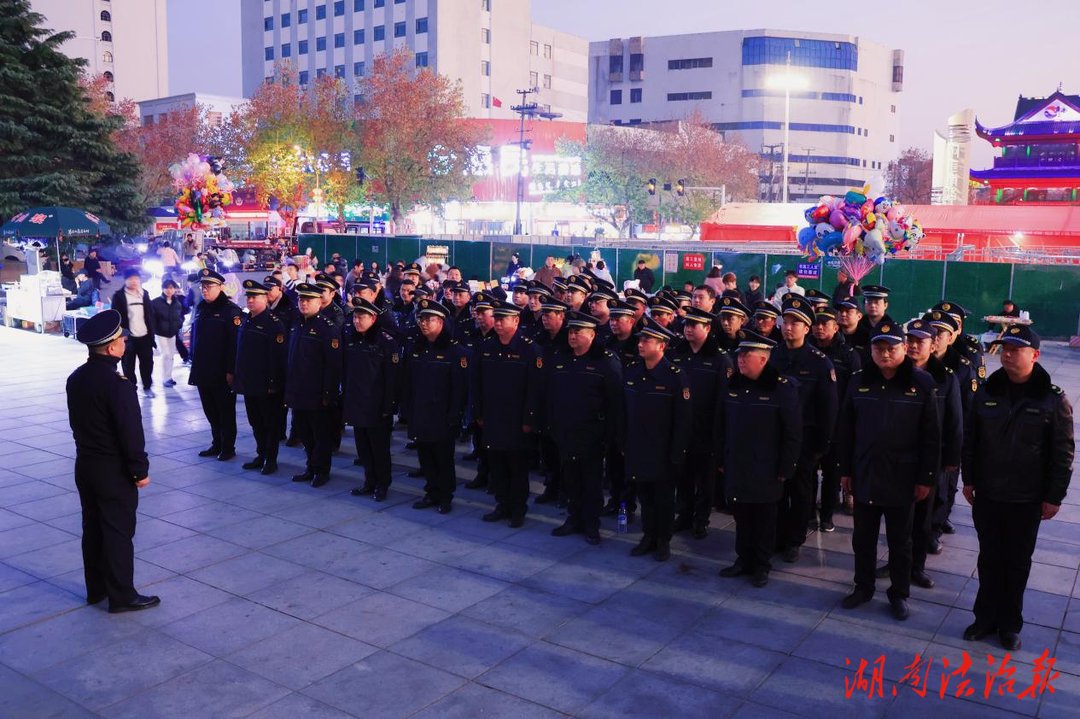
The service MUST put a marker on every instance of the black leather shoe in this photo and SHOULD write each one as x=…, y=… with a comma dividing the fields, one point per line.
x=414, y=473
x=934, y=546
x=791, y=554
x=303, y=477
x=899, y=608
x=320, y=480
x=1010, y=640
x=379, y=495
x=495, y=515
x=593, y=539
x=478, y=483
x=700, y=532
x=518, y=521
x=856, y=598
x=424, y=503
x=882, y=572
x=97, y=598
x=140, y=602
x=256, y=463
x=292, y=441
x=921, y=579
x=646, y=545
x=210, y=452
x=269, y=468
x=760, y=579
x=827, y=526
x=444, y=508
x=565, y=530
x=226, y=455
x=663, y=550
x=947, y=527
x=977, y=631
x=682, y=524
x=362, y=491
x=546, y=497
x=735, y=570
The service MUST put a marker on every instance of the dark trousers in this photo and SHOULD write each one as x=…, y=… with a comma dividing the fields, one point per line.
x=181, y=348
x=553, y=474
x=694, y=493
x=830, y=486
x=316, y=429
x=864, y=543
x=755, y=533
x=622, y=490
x=510, y=480
x=108, y=503
x=437, y=464
x=920, y=530
x=264, y=415
x=1007, y=534
x=143, y=348
x=796, y=506
x=946, y=497
x=373, y=449
x=657, y=507
x=483, y=465
x=582, y=480
x=219, y=406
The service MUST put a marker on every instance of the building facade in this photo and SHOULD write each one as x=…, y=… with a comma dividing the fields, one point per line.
x=952, y=161
x=844, y=98
x=124, y=40
x=217, y=107
x=491, y=47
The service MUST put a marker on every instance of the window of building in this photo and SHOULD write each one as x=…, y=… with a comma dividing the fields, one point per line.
x=358, y=6
x=110, y=97
x=534, y=47
x=380, y=3
x=547, y=82
x=421, y=25
x=303, y=77
x=301, y=47
x=547, y=51
x=689, y=63
x=320, y=44
x=268, y=23
x=106, y=36
x=804, y=52
x=614, y=63
x=892, y=109
x=892, y=138
x=399, y=29
x=339, y=39
x=321, y=72
x=635, y=94
x=106, y=56
x=358, y=69
x=320, y=12
x=864, y=163
x=485, y=68
x=533, y=79
x=286, y=50
x=860, y=99
x=105, y=16
x=485, y=35
x=485, y=100
x=148, y=121
x=685, y=96
x=339, y=8
x=858, y=131
x=421, y=59
x=339, y=71
x=286, y=20
x=358, y=37
x=268, y=53
x=637, y=62
x=485, y=5
x=898, y=74
x=380, y=32
x=301, y=17
x=108, y=75
x=616, y=97
x=634, y=121
x=866, y=132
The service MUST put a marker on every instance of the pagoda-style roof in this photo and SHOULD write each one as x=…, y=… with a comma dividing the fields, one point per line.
x=1048, y=119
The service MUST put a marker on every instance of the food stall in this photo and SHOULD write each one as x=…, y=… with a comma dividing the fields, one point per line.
x=37, y=299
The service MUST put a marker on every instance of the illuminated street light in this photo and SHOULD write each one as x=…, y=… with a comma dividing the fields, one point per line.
x=787, y=82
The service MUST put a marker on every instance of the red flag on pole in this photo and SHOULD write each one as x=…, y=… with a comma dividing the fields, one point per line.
x=496, y=102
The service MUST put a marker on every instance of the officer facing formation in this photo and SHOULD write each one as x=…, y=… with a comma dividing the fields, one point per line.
x=213, y=362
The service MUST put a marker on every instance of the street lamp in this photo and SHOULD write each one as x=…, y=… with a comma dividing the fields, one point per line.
x=787, y=82
x=316, y=194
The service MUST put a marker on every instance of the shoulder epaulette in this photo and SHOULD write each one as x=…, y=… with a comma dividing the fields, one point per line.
x=949, y=370
x=609, y=353
x=675, y=369
x=1056, y=390
x=964, y=360
x=817, y=352
x=781, y=379
x=326, y=319
x=858, y=371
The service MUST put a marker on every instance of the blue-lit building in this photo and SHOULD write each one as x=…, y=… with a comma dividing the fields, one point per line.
x=844, y=112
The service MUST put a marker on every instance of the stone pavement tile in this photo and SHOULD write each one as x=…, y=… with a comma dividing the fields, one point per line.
x=265, y=500
x=531, y=611
x=248, y=573
x=1067, y=653
x=1044, y=608
x=751, y=710
x=229, y=626
x=470, y=523
x=946, y=590
x=50, y=561
x=1035, y=638
x=11, y=520
x=18, y=460
x=29, y=537
x=835, y=642
x=60, y=466
x=321, y=513
x=448, y=588
x=795, y=590
x=233, y=489
x=378, y=528
x=33, y=602
x=954, y=560
x=730, y=667
x=318, y=549
x=151, y=532
x=821, y=564
x=811, y=689
x=559, y=678
x=121, y=669
x=503, y=561
x=979, y=655
x=10, y=478
x=925, y=620
x=50, y=507
x=540, y=539
x=591, y=584
x=180, y=597
x=24, y=698
x=440, y=544
x=170, y=502
x=217, y=689
x=763, y=624
x=475, y=700
x=1048, y=578
x=909, y=704
x=145, y=574
x=462, y=646
x=1063, y=703
x=189, y=554
x=1047, y=551
x=360, y=689
x=309, y=595
x=260, y=532
x=301, y=655
x=381, y=619
x=56, y=639
x=210, y=516
x=297, y=706
x=11, y=578
x=641, y=695
x=663, y=602
x=620, y=637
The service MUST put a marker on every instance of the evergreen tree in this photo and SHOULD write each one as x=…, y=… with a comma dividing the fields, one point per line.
x=56, y=149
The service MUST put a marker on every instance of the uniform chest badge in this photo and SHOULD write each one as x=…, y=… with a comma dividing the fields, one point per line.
x=539, y=363
x=974, y=385
x=395, y=358
x=686, y=393
x=982, y=372
x=236, y=321
x=464, y=363
x=281, y=339
x=334, y=344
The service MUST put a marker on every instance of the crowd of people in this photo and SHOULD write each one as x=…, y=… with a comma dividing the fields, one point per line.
x=676, y=404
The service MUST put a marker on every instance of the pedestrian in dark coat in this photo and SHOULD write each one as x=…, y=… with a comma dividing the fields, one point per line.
x=137, y=318
x=213, y=361
x=262, y=355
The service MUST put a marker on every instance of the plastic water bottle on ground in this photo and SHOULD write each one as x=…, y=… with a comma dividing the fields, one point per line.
x=622, y=517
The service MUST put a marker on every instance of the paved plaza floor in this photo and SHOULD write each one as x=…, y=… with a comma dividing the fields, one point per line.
x=283, y=601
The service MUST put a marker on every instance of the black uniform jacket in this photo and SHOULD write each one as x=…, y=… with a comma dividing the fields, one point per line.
x=372, y=379
x=262, y=356
x=1018, y=443
x=107, y=423
x=583, y=400
x=707, y=371
x=505, y=386
x=659, y=419
x=845, y=360
x=624, y=350
x=950, y=411
x=213, y=341
x=816, y=380
x=890, y=439
x=436, y=388
x=314, y=373
x=758, y=436
x=966, y=376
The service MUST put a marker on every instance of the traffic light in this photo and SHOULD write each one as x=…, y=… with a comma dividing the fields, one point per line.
x=652, y=185
x=680, y=187
x=317, y=195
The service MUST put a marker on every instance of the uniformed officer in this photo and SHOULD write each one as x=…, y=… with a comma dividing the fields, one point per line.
x=312, y=385
x=763, y=321
x=505, y=391
x=370, y=388
x=662, y=310
x=849, y=316
x=639, y=301
x=1017, y=459
x=519, y=295
x=262, y=355
x=659, y=418
x=818, y=299
x=484, y=325
x=623, y=343
x=584, y=409
x=434, y=395
x=404, y=307
x=536, y=291
x=707, y=369
x=599, y=308
x=758, y=437
x=846, y=361
x=370, y=289
x=558, y=288
x=213, y=360
x=552, y=341
x=110, y=464
x=577, y=289
x=328, y=304
x=733, y=315
x=279, y=303
x=875, y=306
x=459, y=296
x=967, y=345
x=889, y=459
x=816, y=382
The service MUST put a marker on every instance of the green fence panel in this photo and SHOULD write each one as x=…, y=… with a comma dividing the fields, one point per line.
x=979, y=287
x=317, y=244
x=402, y=248
x=915, y=286
x=500, y=259
x=1048, y=294
x=344, y=245
x=689, y=267
x=743, y=264
x=473, y=259
x=372, y=248
x=542, y=252
x=626, y=264
x=441, y=248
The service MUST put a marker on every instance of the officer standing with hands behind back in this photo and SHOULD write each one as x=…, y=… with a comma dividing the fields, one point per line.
x=213, y=361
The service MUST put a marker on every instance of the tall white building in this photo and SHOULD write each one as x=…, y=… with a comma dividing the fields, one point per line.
x=843, y=101
x=491, y=46
x=952, y=161
x=125, y=40
x=218, y=107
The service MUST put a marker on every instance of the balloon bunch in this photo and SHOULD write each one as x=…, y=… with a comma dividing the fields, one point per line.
x=854, y=226
x=204, y=192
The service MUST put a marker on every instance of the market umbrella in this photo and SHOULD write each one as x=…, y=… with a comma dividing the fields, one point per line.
x=54, y=222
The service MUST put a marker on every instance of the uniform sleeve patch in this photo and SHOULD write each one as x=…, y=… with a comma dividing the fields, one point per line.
x=539, y=363
x=395, y=358
x=832, y=375
x=464, y=363
x=686, y=393
x=974, y=385
x=982, y=372
x=236, y=321
x=281, y=339
x=334, y=344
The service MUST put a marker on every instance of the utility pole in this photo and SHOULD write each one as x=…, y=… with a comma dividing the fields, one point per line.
x=772, y=166
x=806, y=177
x=530, y=110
